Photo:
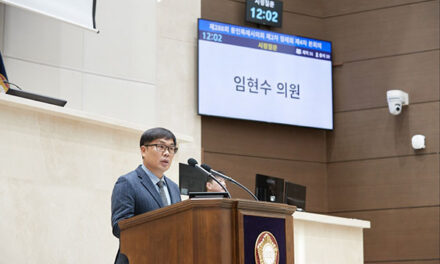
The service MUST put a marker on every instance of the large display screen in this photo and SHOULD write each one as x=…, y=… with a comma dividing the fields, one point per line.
x=259, y=75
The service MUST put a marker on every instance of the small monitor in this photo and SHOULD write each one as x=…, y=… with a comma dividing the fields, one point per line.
x=190, y=179
x=269, y=189
x=295, y=195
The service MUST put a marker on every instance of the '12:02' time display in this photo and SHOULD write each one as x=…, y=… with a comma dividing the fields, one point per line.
x=212, y=36
x=258, y=13
x=265, y=12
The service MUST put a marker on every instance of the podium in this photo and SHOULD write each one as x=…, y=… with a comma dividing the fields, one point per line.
x=210, y=231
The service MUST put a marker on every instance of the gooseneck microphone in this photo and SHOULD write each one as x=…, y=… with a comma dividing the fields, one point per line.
x=209, y=169
x=193, y=163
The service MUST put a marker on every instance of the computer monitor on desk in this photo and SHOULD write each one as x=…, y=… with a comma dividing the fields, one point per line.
x=295, y=194
x=269, y=189
x=190, y=179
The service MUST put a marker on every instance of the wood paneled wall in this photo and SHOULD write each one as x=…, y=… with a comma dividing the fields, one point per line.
x=244, y=148
x=365, y=168
x=373, y=172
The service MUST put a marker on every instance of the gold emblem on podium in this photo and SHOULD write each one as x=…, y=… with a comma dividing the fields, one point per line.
x=266, y=249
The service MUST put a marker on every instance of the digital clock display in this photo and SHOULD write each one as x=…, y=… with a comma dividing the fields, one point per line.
x=265, y=12
x=212, y=36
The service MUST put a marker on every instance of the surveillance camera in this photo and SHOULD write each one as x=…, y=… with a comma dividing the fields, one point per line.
x=396, y=100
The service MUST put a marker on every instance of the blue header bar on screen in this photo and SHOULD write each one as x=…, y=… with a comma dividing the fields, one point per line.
x=263, y=35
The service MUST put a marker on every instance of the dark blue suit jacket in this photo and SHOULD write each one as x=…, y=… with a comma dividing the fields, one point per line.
x=134, y=193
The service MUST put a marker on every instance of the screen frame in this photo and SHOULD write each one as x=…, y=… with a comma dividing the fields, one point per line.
x=183, y=182
x=279, y=182
x=254, y=120
x=295, y=186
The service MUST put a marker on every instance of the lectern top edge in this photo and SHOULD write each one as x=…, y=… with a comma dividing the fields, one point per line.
x=203, y=203
x=265, y=206
x=174, y=209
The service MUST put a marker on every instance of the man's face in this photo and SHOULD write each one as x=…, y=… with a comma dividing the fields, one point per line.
x=154, y=159
x=212, y=186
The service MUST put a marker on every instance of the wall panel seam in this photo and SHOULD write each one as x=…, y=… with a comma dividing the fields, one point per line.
x=263, y=157
x=60, y=67
x=341, y=64
x=190, y=42
x=383, y=157
x=383, y=107
x=377, y=9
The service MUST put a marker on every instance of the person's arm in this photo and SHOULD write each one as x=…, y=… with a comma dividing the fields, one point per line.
x=123, y=203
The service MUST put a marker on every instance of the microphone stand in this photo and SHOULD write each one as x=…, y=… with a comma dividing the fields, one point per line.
x=192, y=162
x=217, y=181
x=208, y=169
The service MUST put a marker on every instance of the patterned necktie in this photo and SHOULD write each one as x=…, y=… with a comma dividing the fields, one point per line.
x=163, y=196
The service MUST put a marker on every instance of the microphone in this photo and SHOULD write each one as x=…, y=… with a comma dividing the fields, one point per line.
x=209, y=169
x=193, y=163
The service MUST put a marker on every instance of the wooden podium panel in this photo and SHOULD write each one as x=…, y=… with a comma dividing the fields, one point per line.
x=201, y=231
x=264, y=213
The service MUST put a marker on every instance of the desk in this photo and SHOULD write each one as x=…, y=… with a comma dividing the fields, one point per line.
x=324, y=239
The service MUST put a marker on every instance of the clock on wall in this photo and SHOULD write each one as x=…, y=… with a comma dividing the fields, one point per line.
x=265, y=12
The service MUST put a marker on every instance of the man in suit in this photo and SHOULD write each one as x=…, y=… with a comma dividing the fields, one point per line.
x=146, y=188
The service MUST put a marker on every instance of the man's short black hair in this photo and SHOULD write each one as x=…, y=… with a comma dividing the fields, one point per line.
x=155, y=133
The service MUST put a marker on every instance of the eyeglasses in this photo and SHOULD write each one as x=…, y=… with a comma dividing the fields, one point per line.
x=162, y=148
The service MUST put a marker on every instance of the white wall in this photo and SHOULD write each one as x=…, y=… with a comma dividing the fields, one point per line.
x=111, y=73
x=56, y=182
